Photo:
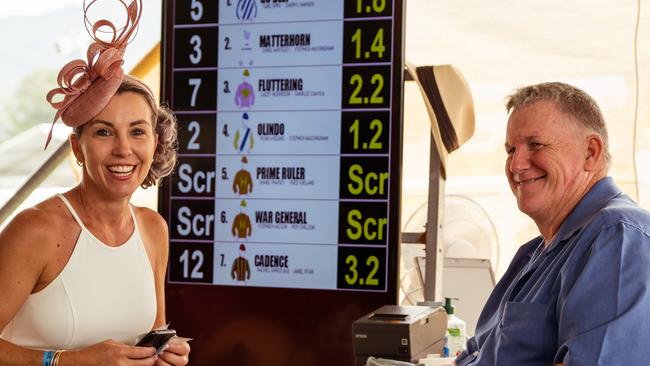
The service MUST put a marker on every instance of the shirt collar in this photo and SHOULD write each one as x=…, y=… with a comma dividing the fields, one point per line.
x=601, y=193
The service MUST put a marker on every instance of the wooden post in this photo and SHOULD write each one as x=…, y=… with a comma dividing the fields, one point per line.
x=434, y=245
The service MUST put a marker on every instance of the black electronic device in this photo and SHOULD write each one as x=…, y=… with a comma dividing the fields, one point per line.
x=402, y=333
x=157, y=339
x=285, y=203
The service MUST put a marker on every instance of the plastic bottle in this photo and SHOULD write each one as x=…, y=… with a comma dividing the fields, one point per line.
x=455, y=338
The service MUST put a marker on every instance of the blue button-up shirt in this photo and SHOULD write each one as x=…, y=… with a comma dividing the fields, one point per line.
x=582, y=300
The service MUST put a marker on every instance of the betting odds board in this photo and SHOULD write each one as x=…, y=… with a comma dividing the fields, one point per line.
x=285, y=200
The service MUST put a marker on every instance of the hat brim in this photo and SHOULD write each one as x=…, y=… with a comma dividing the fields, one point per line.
x=449, y=105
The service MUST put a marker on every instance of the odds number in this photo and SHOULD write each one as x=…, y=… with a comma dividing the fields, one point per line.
x=361, y=268
x=365, y=132
x=366, y=87
x=368, y=8
x=376, y=6
x=367, y=41
x=352, y=277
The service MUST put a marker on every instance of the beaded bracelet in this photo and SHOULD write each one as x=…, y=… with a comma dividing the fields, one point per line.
x=47, y=358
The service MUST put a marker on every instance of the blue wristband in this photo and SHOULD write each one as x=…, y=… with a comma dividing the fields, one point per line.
x=47, y=358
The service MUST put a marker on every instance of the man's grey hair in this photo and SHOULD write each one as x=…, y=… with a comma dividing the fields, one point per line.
x=570, y=100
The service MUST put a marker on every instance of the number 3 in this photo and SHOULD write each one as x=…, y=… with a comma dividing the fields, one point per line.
x=352, y=261
x=195, y=57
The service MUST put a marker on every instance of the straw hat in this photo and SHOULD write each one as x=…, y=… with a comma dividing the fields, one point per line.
x=449, y=102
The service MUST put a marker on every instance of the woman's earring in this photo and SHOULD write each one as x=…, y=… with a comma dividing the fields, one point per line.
x=80, y=163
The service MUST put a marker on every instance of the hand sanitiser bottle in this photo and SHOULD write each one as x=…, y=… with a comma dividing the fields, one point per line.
x=455, y=338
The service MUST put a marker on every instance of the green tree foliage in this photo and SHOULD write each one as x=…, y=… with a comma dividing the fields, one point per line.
x=26, y=105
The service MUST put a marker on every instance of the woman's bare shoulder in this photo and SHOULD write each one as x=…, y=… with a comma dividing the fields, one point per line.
x=45, y=216
x=150, y=219
x=38, y=226
x=152, y=224
x=153, y=229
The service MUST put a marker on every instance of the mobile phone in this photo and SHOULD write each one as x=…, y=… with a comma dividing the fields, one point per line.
x=157, y=339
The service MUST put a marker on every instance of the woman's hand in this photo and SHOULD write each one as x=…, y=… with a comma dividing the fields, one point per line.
x=176, y=353
x=110, y=353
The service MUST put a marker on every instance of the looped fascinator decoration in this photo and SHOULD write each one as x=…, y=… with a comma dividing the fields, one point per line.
x=87, y=86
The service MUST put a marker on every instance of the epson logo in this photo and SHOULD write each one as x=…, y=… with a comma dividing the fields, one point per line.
x=363, y=336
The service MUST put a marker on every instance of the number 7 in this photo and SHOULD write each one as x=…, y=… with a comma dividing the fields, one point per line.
x=195, y=83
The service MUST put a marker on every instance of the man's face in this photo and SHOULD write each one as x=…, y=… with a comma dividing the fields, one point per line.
x=546, y=157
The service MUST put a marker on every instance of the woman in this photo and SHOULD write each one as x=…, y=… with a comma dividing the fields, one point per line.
x=84, y=271
x=87, y=266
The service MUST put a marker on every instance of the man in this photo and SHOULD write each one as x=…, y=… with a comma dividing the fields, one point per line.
x=579, y=294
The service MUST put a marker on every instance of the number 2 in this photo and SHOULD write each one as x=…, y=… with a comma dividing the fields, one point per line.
x=374, y=144
x=377, y=79
x=195, y=128
x=354, y=98
x=370, y=280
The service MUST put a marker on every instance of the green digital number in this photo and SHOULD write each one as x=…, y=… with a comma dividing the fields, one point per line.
x=375, y=125
x=377, y=45
x=352, y=278
x=375, y=98
x=377, y=6
x=352, y=261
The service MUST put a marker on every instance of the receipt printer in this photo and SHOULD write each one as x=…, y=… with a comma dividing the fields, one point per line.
x=402, y=333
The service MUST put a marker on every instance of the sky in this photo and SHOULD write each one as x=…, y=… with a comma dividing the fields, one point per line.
x=35, y=8
x=53, y=33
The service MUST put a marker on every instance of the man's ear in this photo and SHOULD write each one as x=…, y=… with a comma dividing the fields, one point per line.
x=595, y=152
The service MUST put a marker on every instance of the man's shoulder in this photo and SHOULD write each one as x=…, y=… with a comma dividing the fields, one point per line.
x=621, y=210
x=619, y=222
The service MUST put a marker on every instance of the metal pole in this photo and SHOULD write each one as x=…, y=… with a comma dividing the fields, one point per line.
x=34, y=180
x=433, y=243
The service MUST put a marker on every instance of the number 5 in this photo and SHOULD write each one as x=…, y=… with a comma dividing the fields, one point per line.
x=198, y=7
x=196, y=83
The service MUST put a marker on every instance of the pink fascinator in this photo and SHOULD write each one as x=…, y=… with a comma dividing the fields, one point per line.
x=87, y=86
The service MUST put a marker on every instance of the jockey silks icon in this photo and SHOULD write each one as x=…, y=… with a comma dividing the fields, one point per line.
x=241, y=270
x=243, y=141
x=246, y=10
x=241, y=225
x=247, y=41
x=245, y=95
x=243, y=182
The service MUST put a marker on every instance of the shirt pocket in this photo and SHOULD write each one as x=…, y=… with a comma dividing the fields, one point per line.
x=467, y=360
x=527, y=335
